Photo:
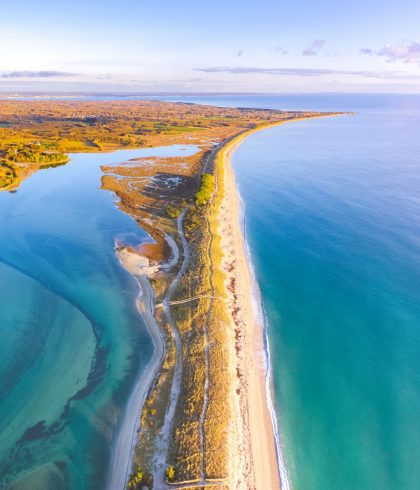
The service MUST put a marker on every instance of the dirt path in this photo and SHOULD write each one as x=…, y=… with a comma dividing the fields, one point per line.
x=164, y=436
x=187, y=300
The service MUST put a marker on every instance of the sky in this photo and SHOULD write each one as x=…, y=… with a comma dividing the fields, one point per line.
x=160, y=46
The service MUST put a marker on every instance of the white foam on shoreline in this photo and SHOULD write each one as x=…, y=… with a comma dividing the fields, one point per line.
x=259, y=314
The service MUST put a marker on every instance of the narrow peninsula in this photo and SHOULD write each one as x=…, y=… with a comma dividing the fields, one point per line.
x=200, y=413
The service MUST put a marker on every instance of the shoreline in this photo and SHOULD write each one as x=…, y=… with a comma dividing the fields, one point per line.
x=123, y=448
x=264, y=465
x=260, y=465
x=260, y=318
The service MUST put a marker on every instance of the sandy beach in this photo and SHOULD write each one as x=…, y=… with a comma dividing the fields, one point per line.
x=253, y=443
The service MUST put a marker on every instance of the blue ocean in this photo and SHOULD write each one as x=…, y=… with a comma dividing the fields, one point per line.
x=332, y=211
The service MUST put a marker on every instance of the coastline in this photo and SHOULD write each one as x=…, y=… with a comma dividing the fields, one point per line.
x=256, y=451
x=257, y=460
x=123, y=451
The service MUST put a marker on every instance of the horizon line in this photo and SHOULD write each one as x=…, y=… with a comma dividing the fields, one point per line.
x=18, y=93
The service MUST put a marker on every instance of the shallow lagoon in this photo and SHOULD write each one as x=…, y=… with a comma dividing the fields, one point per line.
x=71, y=341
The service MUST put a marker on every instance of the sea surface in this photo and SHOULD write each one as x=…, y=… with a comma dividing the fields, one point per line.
x=332, y=212
x=72, y=343
x=332, y=209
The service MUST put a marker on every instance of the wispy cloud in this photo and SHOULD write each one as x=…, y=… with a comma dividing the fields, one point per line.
x=35, y=74
x=407, y=52
x=314, y=48
x=279, y=49
x=307, y=72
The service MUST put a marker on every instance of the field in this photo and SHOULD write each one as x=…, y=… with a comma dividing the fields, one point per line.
x=34, y=134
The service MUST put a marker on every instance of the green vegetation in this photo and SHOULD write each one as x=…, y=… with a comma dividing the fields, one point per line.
x=42, y=133
x=185, y=451
x=172, y=211
x=7, y=174
x=136, y=479
x=170, y=474
x=206, y=190
x=33, y=153
x=20, y=159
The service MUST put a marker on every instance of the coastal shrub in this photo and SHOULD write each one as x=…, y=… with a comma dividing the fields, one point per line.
x=173, y=211
x=221, y=387
x=206, y=189
x=170, y=474
x=135, y=479
x=7, y=174
x=193, y=220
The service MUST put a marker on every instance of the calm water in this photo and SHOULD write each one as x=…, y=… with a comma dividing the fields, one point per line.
x=332, y=211
x=71, y=341
x=333, y=222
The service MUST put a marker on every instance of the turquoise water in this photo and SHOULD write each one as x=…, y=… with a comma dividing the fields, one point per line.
x=71, y=341
x=332, y=212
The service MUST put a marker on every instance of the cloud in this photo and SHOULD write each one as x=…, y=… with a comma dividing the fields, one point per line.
x=35, y=74
x=279, y=49
x=307, y=72
x=314, y=48
x=407, y=52
x=410, y=53
x=318, y=43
